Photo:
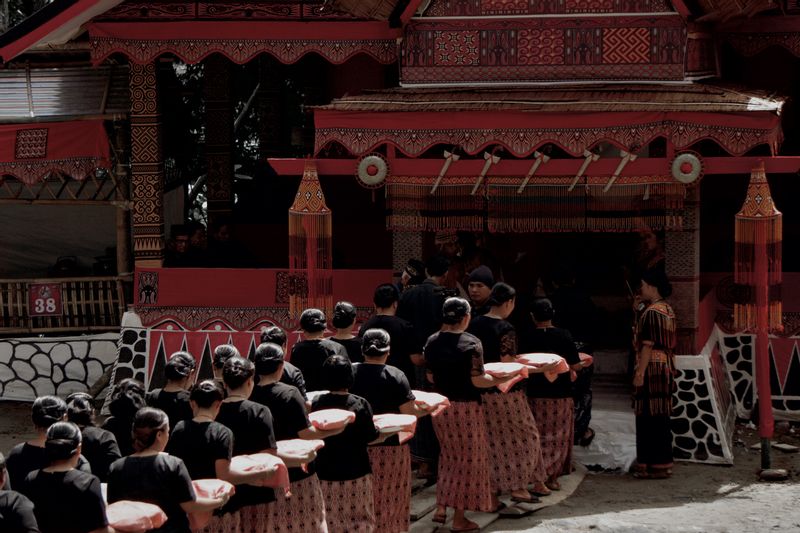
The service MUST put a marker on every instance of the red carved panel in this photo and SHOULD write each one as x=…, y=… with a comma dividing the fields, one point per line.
x=543, y=49
x=461, y=8
x=253, y=10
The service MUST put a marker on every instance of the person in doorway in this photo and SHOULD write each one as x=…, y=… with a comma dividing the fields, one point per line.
x=479, y=286
x=310, y=354
x=344, y=318
x=653, y=378
x=413, y=274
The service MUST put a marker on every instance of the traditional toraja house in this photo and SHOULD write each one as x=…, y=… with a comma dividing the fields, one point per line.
x=533, y=124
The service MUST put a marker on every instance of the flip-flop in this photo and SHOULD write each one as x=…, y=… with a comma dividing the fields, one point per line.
x=553, y=485
x=530, y=499
x=439, y=518
x=546, y=492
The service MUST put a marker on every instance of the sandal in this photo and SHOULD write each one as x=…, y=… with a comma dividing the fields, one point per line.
x=553, y=485
x=439, y=518
x=541, y=490
x=586, y=441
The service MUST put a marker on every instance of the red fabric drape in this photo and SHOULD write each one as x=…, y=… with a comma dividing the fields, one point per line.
x=29, y=152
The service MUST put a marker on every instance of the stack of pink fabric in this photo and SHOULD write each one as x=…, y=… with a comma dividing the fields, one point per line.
x=135, y=517
x=208, y=488
x=300, y=450
x=504, y=370
x=538, y=360
x=263, y=462
x=431, y=400
x=331, y=418
x=404, y=425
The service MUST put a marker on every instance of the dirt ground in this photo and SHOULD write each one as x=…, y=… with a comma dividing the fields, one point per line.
x=698, y=498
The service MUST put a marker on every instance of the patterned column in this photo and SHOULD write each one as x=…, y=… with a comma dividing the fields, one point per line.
x=405, y=245
x=271, y=116
x=147, y=168
x=682, y=249
x=219, y=137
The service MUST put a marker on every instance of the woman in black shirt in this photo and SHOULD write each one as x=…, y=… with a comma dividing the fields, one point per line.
x=126, y=400
x=152, y=476
x=16, y=510
x=511, y=429
x=173, y=399
x=291, y=374
x=305, y=509
x=551, y=402
x=253, y=432
x=344, y=318
x=454, y=360
x=28, y=456
x=206, y=448
x=387, y=390
x=343, y=464
x=99, y=445
x=66, y=500
x=311, y=353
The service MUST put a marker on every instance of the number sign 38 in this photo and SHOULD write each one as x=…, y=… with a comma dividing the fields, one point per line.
x=44, y=299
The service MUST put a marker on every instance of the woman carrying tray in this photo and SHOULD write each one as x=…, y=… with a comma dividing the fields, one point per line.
x=551, y=401
x=387, y=390
x=510, y=426
x=454, y=360
x=343, y=464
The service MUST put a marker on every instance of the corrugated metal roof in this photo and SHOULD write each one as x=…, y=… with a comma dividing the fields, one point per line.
x=31, y=95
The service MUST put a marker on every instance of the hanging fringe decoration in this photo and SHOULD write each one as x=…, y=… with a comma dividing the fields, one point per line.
x=310, y=247
x=653, y=201
x=545, y=205
x=759, y=229
x=411, y=206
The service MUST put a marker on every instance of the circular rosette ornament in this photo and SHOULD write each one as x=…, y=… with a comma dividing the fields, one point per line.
x=372, y=171
x=687, y=167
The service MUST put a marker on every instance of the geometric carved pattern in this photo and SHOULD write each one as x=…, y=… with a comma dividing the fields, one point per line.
x=219, y=136
x=572, y=139
x=405, y=245
x=147, y=166
x=241, y=51
x=31, y=144
x=626, y=45
x=493, y=49
x=450, y=8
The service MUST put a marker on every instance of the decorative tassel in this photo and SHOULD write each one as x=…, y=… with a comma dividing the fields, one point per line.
x=759, y=226
x=310, y=247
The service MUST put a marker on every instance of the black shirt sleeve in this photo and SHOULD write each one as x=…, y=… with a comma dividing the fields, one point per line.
x=570, y=350
x=364, y=423
x=16, y=513
x=477, y=359
x=181, y=483
x=94, y=508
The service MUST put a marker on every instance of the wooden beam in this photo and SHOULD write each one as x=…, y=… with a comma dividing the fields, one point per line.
x=682, y=9
x=409, y=11
x=556, y=167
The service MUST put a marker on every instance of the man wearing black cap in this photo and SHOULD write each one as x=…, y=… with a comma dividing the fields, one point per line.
x=309, y=354
x=479, y=285
x=412, y=275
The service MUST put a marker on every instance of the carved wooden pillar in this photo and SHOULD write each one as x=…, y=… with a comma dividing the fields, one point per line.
x=682, y=250
x=147, y=168
x=122, y=142
x=219, y=137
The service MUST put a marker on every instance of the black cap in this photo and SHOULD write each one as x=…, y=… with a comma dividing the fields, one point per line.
x=482, y=274
x=454, y=310
x=415, y=268
x=312, y=320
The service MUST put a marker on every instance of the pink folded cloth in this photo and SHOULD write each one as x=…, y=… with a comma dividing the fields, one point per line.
x=586, y=360
x=300, y=450
x=135, y=517
x=502, y=370
x=331, y=418
x=260, y=462
x=208, y=488
x=431, y=400
x=537, y=360
x=405, y=425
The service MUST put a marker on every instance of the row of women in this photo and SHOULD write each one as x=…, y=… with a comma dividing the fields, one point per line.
x=517, y=442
